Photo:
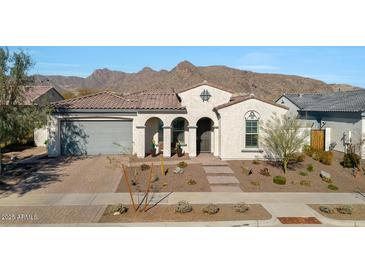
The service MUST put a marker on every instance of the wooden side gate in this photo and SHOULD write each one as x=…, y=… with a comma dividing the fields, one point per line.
x=317, y=139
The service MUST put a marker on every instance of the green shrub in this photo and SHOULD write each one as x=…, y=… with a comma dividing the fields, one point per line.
x=326, y=157
x=310, y=168
x=255, y=162
x=279, y=180
x=305, y=183
x=332, y=187
x=308, y=150
x=351, y=160
x=191, y=182
x=182, y=165
x=303, y=173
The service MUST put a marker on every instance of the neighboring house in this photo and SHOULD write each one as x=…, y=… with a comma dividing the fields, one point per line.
x=203, y=118
x=340, y=114
x=41, y=96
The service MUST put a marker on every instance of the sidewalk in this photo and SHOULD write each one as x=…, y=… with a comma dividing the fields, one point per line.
x=277, y=204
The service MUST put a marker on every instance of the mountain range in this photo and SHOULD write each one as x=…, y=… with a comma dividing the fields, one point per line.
x=184, y=75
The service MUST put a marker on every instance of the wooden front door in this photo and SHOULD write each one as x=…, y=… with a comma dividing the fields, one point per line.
x=317, y=139
x=204, y=133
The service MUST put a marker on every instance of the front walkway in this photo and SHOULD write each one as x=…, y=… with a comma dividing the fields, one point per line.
x=277, y=204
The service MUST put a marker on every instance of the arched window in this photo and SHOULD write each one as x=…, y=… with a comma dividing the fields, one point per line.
x=252, y=129
x=178, y=129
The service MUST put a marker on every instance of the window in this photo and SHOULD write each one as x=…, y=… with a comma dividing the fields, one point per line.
x=178, y=127
x=252, y=134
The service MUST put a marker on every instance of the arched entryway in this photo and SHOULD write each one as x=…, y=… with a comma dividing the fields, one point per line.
x=204, y=132
x=153, y=136
x=179, y=135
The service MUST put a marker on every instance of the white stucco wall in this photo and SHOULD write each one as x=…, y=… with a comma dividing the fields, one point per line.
x=232, y=124
x=232, y=121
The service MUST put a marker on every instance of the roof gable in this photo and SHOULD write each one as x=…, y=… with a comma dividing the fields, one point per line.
x=239, y=99
x=205, y=83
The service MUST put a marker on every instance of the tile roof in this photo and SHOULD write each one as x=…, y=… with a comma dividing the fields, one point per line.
x=241, y=98
x=110, y=100
x=349, y=101
x=34, y=92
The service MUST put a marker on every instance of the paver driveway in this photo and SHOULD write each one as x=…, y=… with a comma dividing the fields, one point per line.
x=76, y=175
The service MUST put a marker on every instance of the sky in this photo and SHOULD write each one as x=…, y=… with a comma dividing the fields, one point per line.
x=330, y=64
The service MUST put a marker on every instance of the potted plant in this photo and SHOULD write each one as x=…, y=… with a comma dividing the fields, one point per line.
x=178, y=149
x=153, y=148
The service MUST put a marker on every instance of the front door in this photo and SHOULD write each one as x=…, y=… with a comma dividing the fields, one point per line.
x=204, y=133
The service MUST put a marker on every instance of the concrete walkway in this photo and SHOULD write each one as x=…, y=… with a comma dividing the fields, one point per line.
x=277, y=204
x=219, y=175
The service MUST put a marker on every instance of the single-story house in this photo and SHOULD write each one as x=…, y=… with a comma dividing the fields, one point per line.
x=41, y=96
x=340, y=115
x=203, y=118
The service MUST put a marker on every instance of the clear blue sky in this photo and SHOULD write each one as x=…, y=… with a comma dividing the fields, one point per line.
x=330, y=64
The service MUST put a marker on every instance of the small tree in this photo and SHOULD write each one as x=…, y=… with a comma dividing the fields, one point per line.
x=17, y=118
x=283, y=137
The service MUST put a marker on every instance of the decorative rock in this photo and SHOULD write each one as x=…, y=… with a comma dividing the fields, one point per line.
x=178, y=170
x=325, y=175
x=346, y=209
x=241, y=207
x=326, y=209
x=183, y=207
x=116, y=213
x=211, y=209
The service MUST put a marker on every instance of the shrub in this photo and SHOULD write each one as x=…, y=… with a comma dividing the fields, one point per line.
x=255, y=162
x=300, y=158
x=182, y=165
x=305, y=183
x=145, y=167
x=183, y=207
x=310, y=168
x=265, y=171
x=279, y=180
x=210, y=209
x=326, y=209
x=245, y=170
x=303, y=173
x=332, y=187
x=326, y=157
x=317, y=154
x=308, y=150
x=191, y=182
x=326, y=180
x=351, y=160
x=241, y=207
x=255, y=183
x=345, y=209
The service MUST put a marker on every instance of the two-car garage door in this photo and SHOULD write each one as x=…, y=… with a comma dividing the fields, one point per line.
x=93, y=137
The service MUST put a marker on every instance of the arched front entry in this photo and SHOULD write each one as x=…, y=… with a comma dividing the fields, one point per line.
x=153, y=135
x=204, y=136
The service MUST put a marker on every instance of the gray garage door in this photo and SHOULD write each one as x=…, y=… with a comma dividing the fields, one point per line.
x=96, y=137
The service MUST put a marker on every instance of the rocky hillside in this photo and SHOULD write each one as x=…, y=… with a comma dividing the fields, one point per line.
x=184, y=75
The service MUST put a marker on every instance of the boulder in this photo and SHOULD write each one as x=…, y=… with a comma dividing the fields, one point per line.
x=325, y=175
x=178, y=170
